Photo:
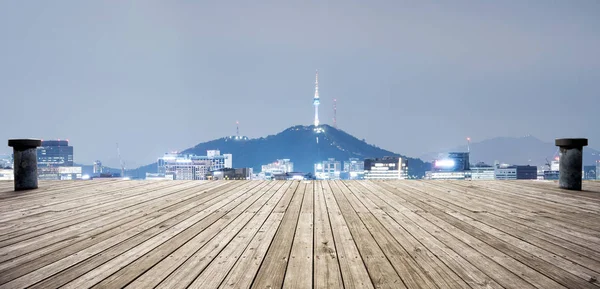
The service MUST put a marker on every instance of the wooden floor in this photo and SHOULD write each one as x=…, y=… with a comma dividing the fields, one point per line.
x=295, y=234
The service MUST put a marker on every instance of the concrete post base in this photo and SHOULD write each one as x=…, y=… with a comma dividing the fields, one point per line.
x=571, y=162
x=25, y=165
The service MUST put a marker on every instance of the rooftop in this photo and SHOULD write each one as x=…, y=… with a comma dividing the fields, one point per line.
x=303, y=234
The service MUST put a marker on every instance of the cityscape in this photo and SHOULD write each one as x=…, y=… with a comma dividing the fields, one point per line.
x=55, y=159
x=300, y=144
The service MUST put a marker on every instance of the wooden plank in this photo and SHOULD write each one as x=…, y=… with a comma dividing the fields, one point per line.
x=217, y=271
x=500, y=253
x=529, y=209
x=490, y=261
x=352, y=267
x=564, y=248
x=554, y=265
x=381, y=271
x=139, y=234
x=25, y=243
x=326, y=267
x=414, y=274
x=471, y=274
x=18, y=234
x=203, y=254
x=272, y=271
x=181, y=233
x=166, y=260
x=70, y=204
x=245, y=269
x=443, y=276
x=299, y=270
x=49, y=254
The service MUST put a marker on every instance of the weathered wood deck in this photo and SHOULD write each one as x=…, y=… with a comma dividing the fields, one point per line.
x=330, y=234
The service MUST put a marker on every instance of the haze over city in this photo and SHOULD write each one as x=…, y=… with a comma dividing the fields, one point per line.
x=412, y=78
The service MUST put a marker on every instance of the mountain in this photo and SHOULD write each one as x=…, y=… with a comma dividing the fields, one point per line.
x=301, y=144
x=514, y=150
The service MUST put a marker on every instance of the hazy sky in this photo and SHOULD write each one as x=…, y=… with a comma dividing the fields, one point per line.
x=411, y=77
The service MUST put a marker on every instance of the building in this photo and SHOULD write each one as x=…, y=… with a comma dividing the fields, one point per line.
x=589, y=172
x=158, y=177
x=59, y=173
x=452, y=166
x=278, y=167
x=452, y=162
x=55, y=153
x=388, y=168
x=507, y=172
x=6, y=161
x=230, y=174
x=526, y=172
x=193, y=167
x=328, y=170
x=6, y=174
x=598, y=170
x=98, y=169
x=354, y=169
x=55, y=161
x=482, y=171
x=293, y=176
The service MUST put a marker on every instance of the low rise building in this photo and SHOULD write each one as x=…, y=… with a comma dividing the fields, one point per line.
x=328, y=170
x=387, y=168
x=59, y=173
x=193, y=167
x=481, y=171
x=510, y=172
x=354, y=169
x=281, y=166
x=6, y=174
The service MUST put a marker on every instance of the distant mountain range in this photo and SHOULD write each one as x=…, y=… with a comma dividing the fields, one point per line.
x=301, y=144
x=514, y=150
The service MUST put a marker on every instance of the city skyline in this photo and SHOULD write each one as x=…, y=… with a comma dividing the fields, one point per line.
x=421, y=77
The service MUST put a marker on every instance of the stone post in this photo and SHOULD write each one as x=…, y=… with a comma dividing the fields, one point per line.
x=571, y=161
x=25, y=166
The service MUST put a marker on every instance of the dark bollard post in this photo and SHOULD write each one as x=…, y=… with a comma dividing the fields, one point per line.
x=571, y=161
x=25, y=166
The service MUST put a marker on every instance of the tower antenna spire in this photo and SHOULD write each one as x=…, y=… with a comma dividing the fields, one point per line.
x=316, y=100
x=237, y=128
x=335, y=113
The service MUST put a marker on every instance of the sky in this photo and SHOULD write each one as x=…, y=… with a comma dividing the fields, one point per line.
x=409, y=76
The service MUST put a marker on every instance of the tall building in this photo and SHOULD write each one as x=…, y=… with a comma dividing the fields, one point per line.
x=192, y=167
x=55, y=161
x=598, y=170
x=316, y=100
x=328, y=170
x=354, y=168
x=387, y=168
x=55, y=153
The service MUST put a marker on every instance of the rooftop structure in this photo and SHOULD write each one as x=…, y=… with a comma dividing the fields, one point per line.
x=310, y=234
